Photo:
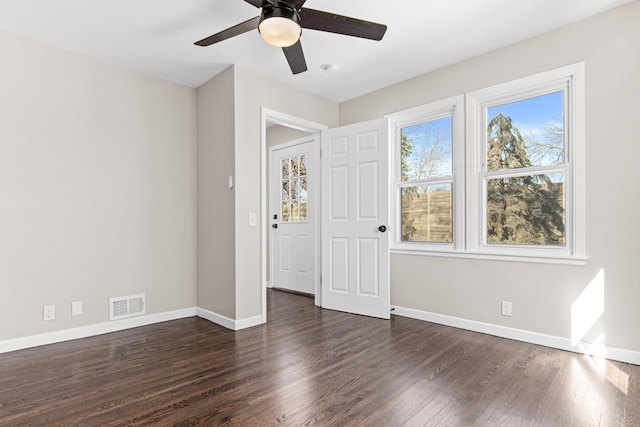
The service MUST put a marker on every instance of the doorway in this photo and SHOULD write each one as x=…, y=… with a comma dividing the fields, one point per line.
x=355, y=213
x=269, y=120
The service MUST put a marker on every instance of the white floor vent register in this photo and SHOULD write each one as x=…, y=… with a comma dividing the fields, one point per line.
x=122, y=307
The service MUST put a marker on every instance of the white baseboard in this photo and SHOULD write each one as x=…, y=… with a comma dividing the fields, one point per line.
x=607, y=352
x=216, y=318
x=120, y=325
x=92, y=330
x=234, y=325
x=599, y=350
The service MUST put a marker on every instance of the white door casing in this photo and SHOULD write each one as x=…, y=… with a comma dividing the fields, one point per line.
x=355, y=214
x=293, y=216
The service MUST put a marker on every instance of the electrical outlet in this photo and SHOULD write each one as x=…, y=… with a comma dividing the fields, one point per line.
x=49, y=312
x=76, y=308
x=506, y=308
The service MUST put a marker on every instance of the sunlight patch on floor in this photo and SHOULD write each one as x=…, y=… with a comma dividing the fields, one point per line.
x=610, y=371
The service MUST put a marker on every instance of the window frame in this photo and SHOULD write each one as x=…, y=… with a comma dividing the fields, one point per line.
x=468, y=112
x=570, y=80
x=451, y=107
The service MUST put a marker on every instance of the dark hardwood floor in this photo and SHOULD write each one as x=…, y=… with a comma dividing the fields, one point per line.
x=312, y=367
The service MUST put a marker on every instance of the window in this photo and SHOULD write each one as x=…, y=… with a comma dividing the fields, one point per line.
x=294, y=200
x=524, y=172
x=521, y=194
x=429, y=157
x=526, y=148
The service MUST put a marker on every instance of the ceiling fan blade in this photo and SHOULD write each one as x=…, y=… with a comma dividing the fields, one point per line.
x=332, y=23
x=298, y=3
x=241, y=28
x=262, y=3
x=295, y=58
x=256, y=3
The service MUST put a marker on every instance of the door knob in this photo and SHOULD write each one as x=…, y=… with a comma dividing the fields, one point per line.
x=382, y=228
x=275, y=226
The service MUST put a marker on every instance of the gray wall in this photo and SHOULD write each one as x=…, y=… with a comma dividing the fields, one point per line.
x=229, y=135
x=216, y=202
x=543, y=295
x=97, y=189
x=253, y=92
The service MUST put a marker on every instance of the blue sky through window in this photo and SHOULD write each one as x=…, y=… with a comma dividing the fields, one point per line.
x=532, y=114
x=431, y=152
x=540, y=120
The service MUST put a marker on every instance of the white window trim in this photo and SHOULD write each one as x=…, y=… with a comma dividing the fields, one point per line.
x=453, y=107
x=571, y=80
x=469, y=240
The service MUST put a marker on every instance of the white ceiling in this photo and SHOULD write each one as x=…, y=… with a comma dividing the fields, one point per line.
x=156, y=37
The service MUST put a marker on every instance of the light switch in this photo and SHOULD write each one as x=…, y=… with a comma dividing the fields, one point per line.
x=252, y=219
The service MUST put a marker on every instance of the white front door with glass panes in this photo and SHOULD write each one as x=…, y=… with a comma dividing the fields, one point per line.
x=293, y=217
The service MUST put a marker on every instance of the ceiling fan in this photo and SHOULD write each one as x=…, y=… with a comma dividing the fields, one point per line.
x=281, y=22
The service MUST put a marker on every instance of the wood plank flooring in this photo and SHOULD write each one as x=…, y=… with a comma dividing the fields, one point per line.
x=312, y=367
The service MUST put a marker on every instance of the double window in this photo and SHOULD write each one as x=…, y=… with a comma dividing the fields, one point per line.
x=511, y=188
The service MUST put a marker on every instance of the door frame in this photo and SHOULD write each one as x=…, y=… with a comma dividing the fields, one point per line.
x=314, y=212
x=276, y=117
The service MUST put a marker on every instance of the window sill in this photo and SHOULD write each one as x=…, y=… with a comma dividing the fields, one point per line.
x=556, y=260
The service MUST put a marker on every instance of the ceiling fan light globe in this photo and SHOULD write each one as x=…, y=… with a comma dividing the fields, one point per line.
x=279, y=31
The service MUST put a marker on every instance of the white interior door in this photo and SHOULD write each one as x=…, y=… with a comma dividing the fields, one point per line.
x=355, y=219
x=293, y=217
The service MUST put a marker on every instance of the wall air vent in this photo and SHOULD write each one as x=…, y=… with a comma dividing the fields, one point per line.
x=122, y=307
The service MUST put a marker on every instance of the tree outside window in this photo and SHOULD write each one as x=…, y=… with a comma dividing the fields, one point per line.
x=426, y=173
x=524, y=201
x=497, y=173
